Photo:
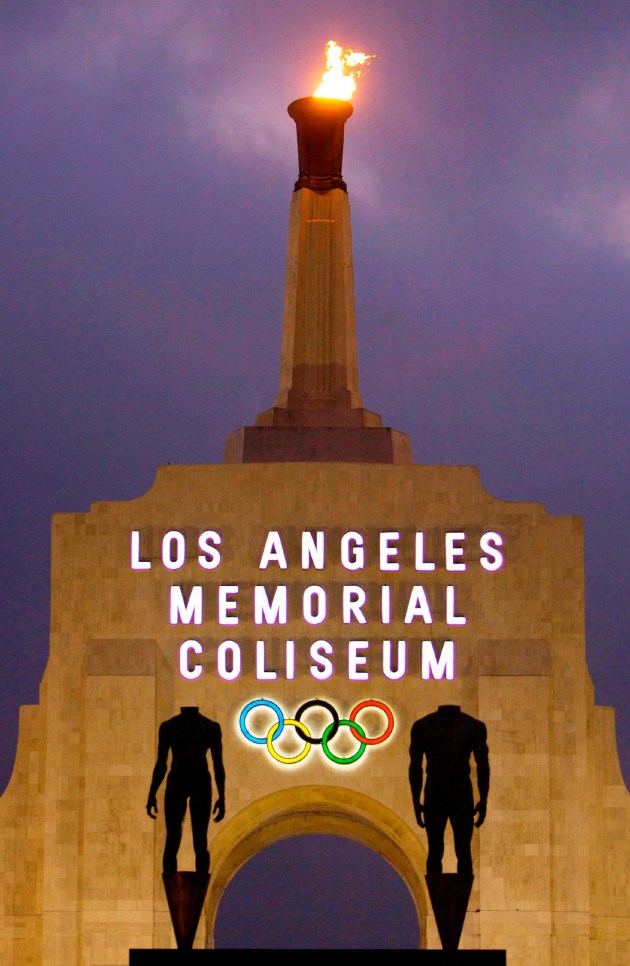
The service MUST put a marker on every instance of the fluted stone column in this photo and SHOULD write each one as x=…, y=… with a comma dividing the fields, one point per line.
x=318, y=412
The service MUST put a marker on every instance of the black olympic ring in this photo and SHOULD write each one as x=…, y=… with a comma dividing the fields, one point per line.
x=316, y=702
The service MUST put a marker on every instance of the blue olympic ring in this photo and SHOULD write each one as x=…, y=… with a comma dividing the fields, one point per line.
x=255, y=704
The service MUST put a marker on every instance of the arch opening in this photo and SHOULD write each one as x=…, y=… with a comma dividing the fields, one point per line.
x=287, y=838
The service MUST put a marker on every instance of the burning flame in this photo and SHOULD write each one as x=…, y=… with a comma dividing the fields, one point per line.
x=342, y=67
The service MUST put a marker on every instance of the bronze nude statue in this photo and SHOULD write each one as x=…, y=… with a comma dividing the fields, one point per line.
x=446, y=739
x=188, y=736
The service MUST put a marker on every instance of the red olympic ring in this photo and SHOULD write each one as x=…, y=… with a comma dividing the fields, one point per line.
x=372, y=704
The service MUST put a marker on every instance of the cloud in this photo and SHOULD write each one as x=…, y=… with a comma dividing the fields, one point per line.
x=586, y=160
x=91, y=40
x=597, y=216
x=237, y=118
x=220, y=65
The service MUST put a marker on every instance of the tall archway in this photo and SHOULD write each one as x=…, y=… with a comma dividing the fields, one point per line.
x=317, y=892
x=316, y=809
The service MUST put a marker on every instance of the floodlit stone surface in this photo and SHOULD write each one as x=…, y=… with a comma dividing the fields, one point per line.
x=80, y=862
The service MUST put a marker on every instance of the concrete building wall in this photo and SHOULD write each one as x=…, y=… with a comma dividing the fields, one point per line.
x=80, y=862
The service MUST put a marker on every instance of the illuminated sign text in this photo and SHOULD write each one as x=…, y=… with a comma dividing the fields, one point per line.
x=284, y=596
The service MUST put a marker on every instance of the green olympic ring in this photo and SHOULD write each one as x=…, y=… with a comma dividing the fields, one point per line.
x=362, y=744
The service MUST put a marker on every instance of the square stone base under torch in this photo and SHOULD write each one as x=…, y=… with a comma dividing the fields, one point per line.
x=332, y=444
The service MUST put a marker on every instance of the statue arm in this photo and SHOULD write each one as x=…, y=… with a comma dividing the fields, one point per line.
x=216, y=750
x=159, y=771
x=416, y=775
x=480, y=753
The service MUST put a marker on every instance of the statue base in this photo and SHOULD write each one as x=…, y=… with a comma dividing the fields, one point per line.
x=185, y=894
x=449, y=893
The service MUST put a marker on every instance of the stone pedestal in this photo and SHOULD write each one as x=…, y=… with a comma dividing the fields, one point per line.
x=303, y=444
x=185, y=894
x=449, y=893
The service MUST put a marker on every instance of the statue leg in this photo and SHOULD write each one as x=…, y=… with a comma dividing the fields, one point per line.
x=174, y=813
x=435, y=818
x=200, y=801
x=462, y=823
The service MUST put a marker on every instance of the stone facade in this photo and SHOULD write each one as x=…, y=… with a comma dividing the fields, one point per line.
x=80, y=862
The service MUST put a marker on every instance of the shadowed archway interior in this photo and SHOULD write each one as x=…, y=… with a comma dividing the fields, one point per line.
x=272, y=903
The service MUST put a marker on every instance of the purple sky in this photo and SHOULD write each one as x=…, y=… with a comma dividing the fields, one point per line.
x=147, y=166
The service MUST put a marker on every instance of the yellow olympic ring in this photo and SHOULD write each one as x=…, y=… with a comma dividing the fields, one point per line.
x=272, y=751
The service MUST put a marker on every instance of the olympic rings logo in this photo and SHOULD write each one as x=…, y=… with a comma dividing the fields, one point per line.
x=328, y=733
